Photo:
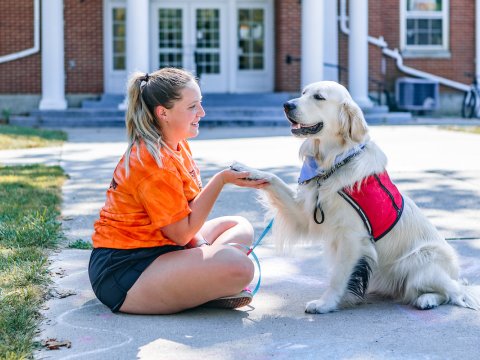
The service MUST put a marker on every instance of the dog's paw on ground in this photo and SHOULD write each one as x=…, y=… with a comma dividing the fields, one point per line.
x=428, y=301
x=319, y=307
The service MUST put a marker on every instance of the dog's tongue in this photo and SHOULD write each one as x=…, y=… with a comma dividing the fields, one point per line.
x=296, y=126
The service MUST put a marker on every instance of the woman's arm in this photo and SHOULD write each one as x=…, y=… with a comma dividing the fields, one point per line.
x=184, y=230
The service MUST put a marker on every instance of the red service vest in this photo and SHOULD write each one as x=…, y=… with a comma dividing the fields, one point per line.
x=377, y=201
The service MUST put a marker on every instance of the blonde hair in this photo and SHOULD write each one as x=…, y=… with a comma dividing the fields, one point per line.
x=145, y=93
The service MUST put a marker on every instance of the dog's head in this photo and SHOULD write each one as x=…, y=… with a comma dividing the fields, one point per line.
x=326, y=110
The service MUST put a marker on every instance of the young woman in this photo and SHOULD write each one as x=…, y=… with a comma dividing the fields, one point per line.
x=154, y=250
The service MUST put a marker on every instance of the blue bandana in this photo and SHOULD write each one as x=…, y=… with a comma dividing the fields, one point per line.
x=310, y=168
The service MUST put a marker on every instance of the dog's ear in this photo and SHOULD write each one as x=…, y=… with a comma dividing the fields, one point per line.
x=352, y=122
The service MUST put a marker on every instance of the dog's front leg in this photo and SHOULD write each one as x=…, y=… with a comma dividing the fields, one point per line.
x=279, y=195
x=350, y=275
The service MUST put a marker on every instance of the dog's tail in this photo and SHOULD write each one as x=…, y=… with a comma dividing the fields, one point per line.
x=469, y=296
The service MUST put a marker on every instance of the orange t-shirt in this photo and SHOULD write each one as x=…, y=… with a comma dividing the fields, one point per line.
x=138, y=206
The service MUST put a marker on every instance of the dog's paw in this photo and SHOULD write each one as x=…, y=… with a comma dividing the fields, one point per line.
x=428, y=301
x=254, y=174
x=320, y=307
x=236, y=166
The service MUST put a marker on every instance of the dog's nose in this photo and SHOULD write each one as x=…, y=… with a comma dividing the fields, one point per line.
x=289, y=105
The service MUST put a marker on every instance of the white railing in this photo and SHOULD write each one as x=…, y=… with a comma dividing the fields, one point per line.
x=36, y=37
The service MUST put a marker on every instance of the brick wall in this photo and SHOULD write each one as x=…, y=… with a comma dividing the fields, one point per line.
x=21, y=76
x=287, y=42
x=83, y=46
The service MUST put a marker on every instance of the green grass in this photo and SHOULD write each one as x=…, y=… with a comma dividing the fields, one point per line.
x=469, y=129
x=80, y=244
x=30, y=200
x=17, y=137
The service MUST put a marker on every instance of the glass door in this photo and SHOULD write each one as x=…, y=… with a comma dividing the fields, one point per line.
x=191, y=35
x=115, y=47
x=254, y=46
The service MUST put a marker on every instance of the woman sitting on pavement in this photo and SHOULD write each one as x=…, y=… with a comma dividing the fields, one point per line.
x=154, y=250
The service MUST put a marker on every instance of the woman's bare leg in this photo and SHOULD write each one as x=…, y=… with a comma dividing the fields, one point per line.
x=228, y=229
x=188, y=278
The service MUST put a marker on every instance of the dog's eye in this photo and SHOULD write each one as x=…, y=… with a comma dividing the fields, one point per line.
x=318, y=97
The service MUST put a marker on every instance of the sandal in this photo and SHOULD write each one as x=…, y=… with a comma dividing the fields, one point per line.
x=243, y=298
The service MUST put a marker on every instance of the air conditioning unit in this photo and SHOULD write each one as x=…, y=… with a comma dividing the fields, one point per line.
x=416, y=94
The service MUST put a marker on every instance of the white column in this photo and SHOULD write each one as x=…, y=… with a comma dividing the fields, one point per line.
x=53, y=55
x=137, y=36
x=358, y=53
x=477, y=40
x=232, y=25
x=312, y=41
x=330, y=45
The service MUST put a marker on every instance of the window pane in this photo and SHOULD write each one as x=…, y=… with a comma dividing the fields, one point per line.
x=422, y=25
x=437, y=39
x=119, y=46
x=243, y=62
x=422, y=39
x=258, y=62
x=242, y=15
x=119, y=63
x=424, y=5
x=118, y=14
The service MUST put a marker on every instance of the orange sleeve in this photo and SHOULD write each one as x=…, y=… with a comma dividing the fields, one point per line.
x=163, y=197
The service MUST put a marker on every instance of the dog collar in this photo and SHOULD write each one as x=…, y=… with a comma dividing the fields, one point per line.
x=311, y=170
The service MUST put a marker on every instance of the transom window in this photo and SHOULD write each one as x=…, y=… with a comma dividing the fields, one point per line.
x=425, y=25
x=119, y=38
x=251, y=39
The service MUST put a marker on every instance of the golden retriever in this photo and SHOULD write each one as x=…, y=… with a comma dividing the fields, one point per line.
x=406, y=259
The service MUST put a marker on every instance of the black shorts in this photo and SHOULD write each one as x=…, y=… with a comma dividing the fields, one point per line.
x=113, y=272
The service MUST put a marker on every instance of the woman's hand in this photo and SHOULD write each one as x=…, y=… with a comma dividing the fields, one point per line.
x=240, y=178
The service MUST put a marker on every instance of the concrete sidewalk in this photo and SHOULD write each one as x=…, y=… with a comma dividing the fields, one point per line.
x=439, y=169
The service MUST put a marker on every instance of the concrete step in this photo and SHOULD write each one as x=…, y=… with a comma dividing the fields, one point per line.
x=106, y=101
x=221, y=110
x=78, y=112
x=111, y=101
x=210, y=120
x=389, y=118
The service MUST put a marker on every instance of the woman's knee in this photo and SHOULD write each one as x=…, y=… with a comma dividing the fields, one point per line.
x=236, y=265
x=244, y=226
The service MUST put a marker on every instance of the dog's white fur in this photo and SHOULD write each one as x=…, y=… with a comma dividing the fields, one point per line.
x=412, y=263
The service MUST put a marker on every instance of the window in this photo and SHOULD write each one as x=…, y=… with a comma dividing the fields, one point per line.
x=119, y=38
x=424, y=26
